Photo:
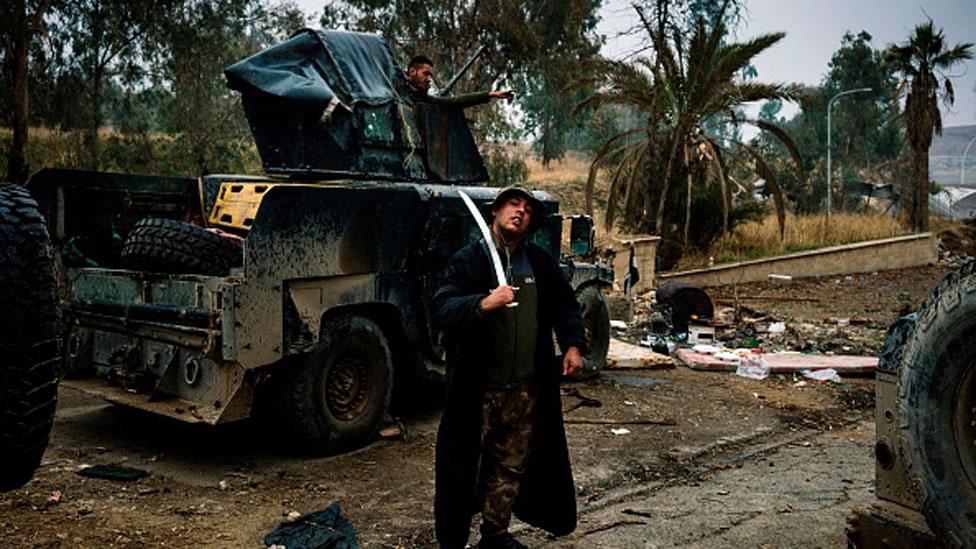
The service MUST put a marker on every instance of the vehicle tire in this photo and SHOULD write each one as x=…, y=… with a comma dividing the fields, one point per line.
x=336, y=399
x=596, y=322
x=937, y=404
x=29, y=342
x=171, y=246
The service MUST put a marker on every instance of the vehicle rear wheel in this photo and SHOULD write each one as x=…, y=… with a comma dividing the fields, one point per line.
x=172, y=246
x=937, y=401
x=596, y=323
x=336, y=399
x=29, y=340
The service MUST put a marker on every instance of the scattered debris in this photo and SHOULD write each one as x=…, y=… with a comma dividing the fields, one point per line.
x=827, y=374
x=326, y=528
x=223, y=486
x=54, y=498
x=620, y=431
x=583, y=400
x=753, y=368
x=618, y=324
x=776, y=278
x=113, y=472
x=396, y=429
x=625, y=355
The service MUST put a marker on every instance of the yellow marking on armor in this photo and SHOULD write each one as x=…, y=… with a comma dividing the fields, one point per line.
x=237, y=204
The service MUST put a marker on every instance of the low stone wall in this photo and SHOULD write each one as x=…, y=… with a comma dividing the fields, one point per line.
x=860, y=257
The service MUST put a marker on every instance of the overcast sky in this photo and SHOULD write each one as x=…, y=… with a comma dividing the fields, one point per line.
x=813, y=32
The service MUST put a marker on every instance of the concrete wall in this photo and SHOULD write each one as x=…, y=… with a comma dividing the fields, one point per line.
x=645, y=253
x=860, y=257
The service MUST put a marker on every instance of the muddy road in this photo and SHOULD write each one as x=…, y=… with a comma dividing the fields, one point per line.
x=723, y=461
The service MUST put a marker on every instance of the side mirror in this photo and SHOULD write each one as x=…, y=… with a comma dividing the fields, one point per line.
x=581, y=235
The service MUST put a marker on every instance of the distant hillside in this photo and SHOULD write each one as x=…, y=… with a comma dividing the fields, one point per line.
x=946, y=154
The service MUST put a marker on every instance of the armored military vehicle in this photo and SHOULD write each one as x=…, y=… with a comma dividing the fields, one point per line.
x=925, y=449
x=307, y=289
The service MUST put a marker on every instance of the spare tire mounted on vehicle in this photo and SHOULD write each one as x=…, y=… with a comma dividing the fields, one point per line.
x=172, y=246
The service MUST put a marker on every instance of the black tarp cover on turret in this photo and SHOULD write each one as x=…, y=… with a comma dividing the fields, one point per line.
x=325, y=104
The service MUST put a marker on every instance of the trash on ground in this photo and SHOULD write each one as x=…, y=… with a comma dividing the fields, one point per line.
x=706, y=349
x=626, y=355
x=326, y=528
x=781, y=362
x=779, y=278
x=55, y=498
x=618, y=324
x=620, y=431
x=113, y=472
x=753, y=368
x=827, y=374
x=777, y=327
x=584, y=401
x=395, y=429
x=699, y=333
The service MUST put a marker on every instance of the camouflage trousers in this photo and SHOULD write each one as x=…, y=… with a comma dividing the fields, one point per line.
x=506, y=431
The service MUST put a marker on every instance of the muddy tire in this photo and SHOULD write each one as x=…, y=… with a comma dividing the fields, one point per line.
x=596, y=322
x=29, y=343
x=937, y=404
x=336, y=399
x=171, y=246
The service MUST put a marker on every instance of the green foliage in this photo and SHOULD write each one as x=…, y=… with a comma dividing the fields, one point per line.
x=671, y=171
x=536, y=47
x=504, y=168
x=865, y=133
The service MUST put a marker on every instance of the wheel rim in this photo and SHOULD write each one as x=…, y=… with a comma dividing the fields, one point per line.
x=347, y=387
x=964, y=422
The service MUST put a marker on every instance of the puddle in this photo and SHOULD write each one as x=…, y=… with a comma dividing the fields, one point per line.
x=636, y=381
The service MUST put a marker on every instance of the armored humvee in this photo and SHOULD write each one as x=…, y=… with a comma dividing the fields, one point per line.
x=925, y=450
x=308, y=288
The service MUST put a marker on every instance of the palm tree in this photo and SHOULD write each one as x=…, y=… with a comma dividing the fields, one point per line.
x=922, y=61
x=689, y=86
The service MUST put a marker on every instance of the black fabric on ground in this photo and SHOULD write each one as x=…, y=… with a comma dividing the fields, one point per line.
x=326, y=529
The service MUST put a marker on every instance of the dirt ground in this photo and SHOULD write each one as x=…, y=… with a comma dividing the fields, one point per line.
x=725, y=461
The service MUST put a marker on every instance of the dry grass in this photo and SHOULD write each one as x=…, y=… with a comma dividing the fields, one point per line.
x=807, y=232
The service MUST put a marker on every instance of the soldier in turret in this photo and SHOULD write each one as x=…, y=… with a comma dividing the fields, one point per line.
x=415, y=85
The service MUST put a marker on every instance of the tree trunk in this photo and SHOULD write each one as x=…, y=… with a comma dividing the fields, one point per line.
x=920, y=191
x=17, y=168
x=688, y=198
x=94, y=121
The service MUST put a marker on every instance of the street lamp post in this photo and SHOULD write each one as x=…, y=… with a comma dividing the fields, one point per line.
x=830, y=105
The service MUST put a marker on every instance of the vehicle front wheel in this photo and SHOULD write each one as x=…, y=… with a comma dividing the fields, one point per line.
x=596, y=323
x=336, y=398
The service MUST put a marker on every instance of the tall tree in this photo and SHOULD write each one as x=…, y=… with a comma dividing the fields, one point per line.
x=527, y=44
x=865, y=132
x=692, y=81
x=191, y=45
x=101, y=41
x=923, y=61
x=25, y=20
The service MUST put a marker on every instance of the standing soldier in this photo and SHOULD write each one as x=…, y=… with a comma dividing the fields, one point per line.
x=501, y=445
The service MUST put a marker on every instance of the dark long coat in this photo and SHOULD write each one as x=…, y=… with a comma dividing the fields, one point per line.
x=547, y=497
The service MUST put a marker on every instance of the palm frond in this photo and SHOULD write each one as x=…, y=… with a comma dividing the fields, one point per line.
x=772, y=183
x=601, y=155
